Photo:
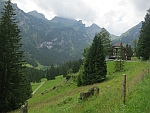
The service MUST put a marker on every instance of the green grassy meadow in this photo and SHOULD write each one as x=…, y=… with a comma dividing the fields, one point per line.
x=64, y=97
x=42, y=67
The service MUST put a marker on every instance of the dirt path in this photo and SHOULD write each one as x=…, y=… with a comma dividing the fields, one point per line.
x=38, y=87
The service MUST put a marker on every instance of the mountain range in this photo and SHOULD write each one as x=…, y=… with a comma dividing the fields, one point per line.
x=58, y=40
x=129, y=35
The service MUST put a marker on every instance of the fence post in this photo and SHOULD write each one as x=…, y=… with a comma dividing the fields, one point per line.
x=124, y=89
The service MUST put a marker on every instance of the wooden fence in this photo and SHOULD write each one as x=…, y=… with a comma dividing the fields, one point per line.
x=144, y=72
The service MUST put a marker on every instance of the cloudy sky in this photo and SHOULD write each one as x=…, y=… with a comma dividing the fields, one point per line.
x=116, y=16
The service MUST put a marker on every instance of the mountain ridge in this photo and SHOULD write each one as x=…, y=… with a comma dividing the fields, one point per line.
x=131, y=34
x=37, y=14
x=52, y=41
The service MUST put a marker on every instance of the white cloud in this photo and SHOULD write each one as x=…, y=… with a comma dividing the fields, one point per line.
x=116, y=16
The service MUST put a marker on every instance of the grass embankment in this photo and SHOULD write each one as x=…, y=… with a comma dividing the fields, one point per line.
x=64, y=98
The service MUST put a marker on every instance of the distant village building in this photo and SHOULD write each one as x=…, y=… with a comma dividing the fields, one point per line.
x=115, y=52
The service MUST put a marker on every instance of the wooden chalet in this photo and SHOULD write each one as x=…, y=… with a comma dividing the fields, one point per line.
x=115, y=51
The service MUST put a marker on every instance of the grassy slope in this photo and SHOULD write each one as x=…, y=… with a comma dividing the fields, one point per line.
x=64, y=99
x=42, y=67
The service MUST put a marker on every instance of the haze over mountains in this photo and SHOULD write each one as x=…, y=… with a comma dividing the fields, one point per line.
x=58, y=40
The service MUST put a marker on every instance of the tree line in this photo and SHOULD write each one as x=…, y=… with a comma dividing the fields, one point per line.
x=35, y=75
x=15, y=88
x=102, y=47
x=143, y=47
x=94, y=68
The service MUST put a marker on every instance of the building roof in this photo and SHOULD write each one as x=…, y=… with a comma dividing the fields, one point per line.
x=117, y=44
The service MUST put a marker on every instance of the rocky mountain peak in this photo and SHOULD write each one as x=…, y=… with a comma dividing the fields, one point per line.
x=38, y=15
x=94, y=26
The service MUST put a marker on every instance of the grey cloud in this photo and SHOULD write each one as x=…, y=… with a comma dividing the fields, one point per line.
x=116, y=18
x=140, y=6
x=75, y=9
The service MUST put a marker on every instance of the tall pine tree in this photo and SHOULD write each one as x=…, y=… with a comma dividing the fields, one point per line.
x=134, y=47
x=94, y=62
x=14, y=87
x=129, y=53
x=144, y=38
x=51, y=73
x=106, y=41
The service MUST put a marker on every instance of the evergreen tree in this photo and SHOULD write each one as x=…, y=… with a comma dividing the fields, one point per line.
x=144, y=38
x=106, y=41
x=135, y=47
x=129, y=51
x=51, y=73
x=34, y=75
x=80, y=74
x=94, y=63
x=75, y=66
x=57, y=71
x=14, y=87
x=85, y=52
x=47, y=74
x=65, y=69
x=119, y=62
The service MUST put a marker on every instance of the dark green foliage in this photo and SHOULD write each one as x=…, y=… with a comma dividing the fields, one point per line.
x=119, y=65
x=79, y=77
x=14, y=86
x=64, y=69
x=94, y=63
x=79, y=82
x=76, y=65
x=85, y=52
x=51, y=73
x=129, y=52
x=70, y=67
x=34, y=75
x=144, y=38
x=106, y=41
x=119, y=62
x=122, y=52
x=134, y=47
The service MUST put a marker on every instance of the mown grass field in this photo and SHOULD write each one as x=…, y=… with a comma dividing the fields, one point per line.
x=64, y=98
x=42, y=67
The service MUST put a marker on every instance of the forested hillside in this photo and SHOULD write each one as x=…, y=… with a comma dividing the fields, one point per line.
x=58, y=40
x=129, y=36
x=51, y=41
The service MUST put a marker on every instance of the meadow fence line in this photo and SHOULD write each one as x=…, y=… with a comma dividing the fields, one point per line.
x=124, y=89
x=144, y=72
